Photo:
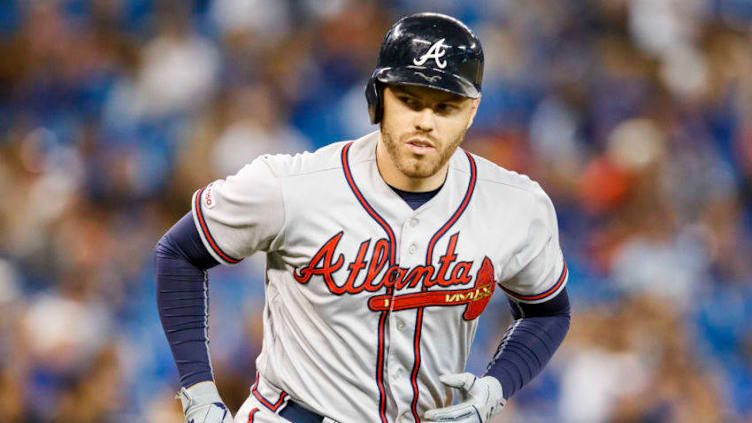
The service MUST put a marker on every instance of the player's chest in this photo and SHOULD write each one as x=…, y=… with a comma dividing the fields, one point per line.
x=358, y=239
x=397, y=262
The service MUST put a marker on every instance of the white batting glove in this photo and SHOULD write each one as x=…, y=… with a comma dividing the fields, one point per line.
x=202, y=404
x=482, y=399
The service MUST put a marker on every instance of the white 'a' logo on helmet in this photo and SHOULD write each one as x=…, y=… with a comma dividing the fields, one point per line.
x=436, y=52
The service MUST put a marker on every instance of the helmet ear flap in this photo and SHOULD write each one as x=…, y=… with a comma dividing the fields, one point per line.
x=374, y=91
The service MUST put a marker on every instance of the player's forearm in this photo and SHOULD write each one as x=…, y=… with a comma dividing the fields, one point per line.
x=530, y=342
x=182, y=299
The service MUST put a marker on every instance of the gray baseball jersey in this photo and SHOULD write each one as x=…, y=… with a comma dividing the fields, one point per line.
x=368, y=301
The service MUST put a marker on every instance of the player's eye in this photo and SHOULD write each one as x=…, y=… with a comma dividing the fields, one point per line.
x=445, y=108
x=410, y=102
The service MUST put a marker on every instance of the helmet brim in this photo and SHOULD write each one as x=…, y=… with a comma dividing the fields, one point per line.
x=428, y=77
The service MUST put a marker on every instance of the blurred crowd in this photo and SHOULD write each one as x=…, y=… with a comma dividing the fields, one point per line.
x=634, y=115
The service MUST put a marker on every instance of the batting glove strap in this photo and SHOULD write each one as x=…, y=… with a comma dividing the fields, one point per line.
x=202, y=404
x=482, y=398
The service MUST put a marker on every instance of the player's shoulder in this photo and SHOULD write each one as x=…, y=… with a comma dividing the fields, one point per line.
x=325, y=159
x=506, y=186
x=492, y=176
x=321, y=160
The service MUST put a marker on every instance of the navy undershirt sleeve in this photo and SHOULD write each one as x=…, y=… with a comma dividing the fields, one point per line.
x=530, y=341
x=181, y=261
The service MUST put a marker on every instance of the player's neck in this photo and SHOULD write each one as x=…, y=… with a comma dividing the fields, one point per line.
x=395, y=178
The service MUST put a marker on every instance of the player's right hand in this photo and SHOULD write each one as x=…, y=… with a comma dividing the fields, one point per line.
x=482, y=399
x=202, y=404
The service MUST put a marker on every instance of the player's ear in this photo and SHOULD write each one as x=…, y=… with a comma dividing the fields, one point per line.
x=473, y=111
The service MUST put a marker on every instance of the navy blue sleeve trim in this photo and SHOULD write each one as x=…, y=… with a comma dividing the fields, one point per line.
x=181, y=261
x=530, y=341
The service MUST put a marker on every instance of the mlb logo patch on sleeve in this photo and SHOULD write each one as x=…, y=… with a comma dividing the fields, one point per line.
x=209, y=201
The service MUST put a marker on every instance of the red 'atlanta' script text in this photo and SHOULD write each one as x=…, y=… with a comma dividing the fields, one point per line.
x=449, y=272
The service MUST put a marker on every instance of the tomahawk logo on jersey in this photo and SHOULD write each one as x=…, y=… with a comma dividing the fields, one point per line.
x=363, y=291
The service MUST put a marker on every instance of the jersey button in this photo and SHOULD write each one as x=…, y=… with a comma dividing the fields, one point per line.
x=400, y=324
x=412, y=249
x=398, y=373
x=413, y=222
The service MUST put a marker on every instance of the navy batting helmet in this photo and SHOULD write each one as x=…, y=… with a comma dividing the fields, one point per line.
x=431, y=50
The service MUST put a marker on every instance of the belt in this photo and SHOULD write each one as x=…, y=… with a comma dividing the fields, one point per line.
x=297, y=414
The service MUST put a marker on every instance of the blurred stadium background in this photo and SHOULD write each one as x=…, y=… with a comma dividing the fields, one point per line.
x=635, y=116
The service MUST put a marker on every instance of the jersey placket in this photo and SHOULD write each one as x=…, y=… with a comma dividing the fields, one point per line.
x=412, y=253
x=402, y=325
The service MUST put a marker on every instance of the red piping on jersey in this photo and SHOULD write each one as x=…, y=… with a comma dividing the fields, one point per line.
x=392, y=259
x=550, y=291
x=264, y=401
x=429, y=259
x=366, y=205
x=250, y=416
x=207, y=234
x=457, y=213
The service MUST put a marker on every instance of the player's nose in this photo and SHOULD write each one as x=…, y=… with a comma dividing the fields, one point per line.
x=425, y=119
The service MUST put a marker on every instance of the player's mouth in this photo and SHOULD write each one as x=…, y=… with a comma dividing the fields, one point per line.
x=420, y=146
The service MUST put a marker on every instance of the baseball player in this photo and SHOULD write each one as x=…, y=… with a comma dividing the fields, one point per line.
x=382, y=253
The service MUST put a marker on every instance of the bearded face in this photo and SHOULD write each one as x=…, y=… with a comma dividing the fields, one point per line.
x=418, y=155
x=421, y=129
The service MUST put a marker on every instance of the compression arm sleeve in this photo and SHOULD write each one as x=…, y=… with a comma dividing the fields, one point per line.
x=530, y=341
x=181, y=261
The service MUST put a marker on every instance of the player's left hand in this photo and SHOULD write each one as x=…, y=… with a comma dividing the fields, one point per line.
x=482, y=399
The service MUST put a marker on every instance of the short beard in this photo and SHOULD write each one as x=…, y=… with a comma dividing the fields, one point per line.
x=414, y=168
